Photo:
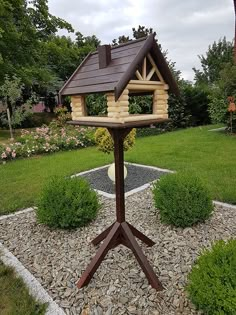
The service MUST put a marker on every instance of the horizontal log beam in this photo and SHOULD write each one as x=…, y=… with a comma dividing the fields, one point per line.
x=146, y=82
x=144, y=87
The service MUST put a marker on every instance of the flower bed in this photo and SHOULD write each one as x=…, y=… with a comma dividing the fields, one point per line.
x=47, y=139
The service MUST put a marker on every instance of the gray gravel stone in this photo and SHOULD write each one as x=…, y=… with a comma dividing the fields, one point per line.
x=57, y=258
x=143, y=175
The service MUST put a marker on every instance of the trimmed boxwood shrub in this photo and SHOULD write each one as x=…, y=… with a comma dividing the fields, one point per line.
x=182, y=199
x=212, y=281
x=105, y=142
x=67, y=203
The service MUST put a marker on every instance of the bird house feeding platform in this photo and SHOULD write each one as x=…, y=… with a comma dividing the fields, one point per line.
x=134, y=68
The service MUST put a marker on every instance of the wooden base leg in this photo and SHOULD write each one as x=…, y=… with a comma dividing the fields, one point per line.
x=102, y=236
x=101, y=253
x=136, y=233
x=141, y=236
x=147, y=269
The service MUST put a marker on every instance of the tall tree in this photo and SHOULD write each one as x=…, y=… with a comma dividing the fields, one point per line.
x=43, y=21
x=218, y=54
x=86, y=44
x=23, y=30
x=142, y=31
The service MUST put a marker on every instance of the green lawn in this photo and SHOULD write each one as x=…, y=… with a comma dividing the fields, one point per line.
x=14, y=296
x=21, y=180
x=211, y=155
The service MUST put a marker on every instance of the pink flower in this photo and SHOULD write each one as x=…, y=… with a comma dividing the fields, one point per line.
x=13, y=154
x=3, y=156
x=8, y=150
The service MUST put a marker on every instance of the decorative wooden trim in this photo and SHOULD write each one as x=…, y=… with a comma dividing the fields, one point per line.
x=155, y=67
x=150, y=74
x=144, y=72
x=138, y=75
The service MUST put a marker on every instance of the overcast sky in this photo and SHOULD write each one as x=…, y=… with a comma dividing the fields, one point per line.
x=184, y=28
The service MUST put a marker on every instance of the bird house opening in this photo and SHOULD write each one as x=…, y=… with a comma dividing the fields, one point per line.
x=140, y=104
x=90, y=105
x=96, y=104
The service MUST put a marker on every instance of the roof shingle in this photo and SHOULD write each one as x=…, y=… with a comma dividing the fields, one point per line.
x=125, y=58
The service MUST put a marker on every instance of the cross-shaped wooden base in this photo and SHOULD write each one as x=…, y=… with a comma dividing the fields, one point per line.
x=120, y=232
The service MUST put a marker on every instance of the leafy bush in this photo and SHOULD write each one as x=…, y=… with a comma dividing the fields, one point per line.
x=38, y=119
x=178, y=112
x=67, y=203
x=96, y=104
x=140, y=104
x=212, y=281
x=182, y=200
x=105, y=142
x=196, y=103
x=62, y=115
x=217, y=105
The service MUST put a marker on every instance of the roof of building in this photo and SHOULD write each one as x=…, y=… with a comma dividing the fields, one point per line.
x=125, y=60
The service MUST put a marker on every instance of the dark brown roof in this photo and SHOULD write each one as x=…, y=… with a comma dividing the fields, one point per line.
x=125, y=58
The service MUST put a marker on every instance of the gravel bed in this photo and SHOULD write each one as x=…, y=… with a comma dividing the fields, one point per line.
x=136, y=177
x=57, y=259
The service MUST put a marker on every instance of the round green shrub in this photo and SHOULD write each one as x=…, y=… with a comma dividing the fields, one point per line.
x=105, y=142
x=67, y=203
x=182, y=199
x=212, y=281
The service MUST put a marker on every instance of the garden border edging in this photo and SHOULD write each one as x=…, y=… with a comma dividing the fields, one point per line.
x=35, y=288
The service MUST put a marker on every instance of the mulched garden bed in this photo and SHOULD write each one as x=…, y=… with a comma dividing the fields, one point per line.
x=57, y=258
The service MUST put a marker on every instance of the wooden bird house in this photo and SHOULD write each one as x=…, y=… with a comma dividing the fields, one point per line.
x=134, y=68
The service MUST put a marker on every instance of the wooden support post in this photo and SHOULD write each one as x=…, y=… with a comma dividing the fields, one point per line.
x=120, y=232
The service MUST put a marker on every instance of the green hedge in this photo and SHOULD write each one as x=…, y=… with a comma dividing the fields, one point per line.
x=67, y=203
x=212, y=281
x=182, y=199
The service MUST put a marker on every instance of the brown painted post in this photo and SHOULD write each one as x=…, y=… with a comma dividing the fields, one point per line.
x=120, y=232
x=119, y=174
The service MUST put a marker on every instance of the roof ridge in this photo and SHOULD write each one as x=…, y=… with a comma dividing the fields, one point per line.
x=132, y=67
x=131, y=41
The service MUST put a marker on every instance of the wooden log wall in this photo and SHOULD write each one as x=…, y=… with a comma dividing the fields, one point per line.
x=120, y=108
x=78, y=107
x=160, y=103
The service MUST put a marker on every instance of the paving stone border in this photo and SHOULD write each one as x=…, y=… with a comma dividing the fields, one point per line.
x=35, y=288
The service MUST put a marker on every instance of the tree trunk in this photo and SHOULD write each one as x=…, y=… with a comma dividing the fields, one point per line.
x=9, y=123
